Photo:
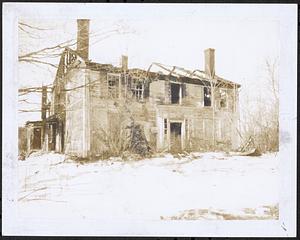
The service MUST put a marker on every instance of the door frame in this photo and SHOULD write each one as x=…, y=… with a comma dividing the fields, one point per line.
x=182, y=134
x=35, y=137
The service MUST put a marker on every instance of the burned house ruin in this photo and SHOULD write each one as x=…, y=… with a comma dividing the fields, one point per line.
x=177, y=108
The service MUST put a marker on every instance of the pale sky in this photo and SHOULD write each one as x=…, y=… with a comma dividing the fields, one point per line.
x=243, y=36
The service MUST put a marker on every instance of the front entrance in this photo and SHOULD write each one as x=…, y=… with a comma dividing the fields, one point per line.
x=176, y=132
x=37, y=138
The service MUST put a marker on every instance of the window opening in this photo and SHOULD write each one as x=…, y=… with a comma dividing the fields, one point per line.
x=137, y=91
x=137, y=88
x=207, y=96
x=113, y=84
x=175, y=93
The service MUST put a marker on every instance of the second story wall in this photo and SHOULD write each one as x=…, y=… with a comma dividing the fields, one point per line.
x=194, y=95
x=158, y=92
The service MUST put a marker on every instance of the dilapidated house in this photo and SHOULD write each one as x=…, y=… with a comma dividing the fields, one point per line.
x=176, y=108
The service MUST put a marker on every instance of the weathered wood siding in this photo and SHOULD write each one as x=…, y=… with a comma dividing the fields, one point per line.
x=90, y=112
x=75, y=135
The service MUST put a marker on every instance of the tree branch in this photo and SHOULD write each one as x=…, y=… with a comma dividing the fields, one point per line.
x=31, y=60
x=32, y=27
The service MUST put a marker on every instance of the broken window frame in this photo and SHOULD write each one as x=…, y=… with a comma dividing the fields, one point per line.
x=113, y=89
x=137, y=88
x=138, y=91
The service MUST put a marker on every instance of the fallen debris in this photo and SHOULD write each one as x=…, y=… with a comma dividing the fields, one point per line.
x=247, y=149
x=254, y=152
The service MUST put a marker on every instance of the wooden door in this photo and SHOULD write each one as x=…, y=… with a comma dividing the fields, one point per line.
x=37, y=141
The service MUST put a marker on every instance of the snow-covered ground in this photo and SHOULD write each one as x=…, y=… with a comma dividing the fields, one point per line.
x=197, y=186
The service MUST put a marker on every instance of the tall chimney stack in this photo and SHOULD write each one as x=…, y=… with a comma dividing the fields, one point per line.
x=209, y=62
x=124, y=62
x=83, y=28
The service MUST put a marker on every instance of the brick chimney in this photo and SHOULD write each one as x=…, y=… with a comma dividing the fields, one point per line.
x=83, y=26
x=124, y=62
x=209, y=62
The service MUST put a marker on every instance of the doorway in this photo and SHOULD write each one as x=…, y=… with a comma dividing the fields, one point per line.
x=37, y=140
x=176, y=132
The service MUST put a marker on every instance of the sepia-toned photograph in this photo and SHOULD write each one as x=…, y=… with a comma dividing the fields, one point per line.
x=157, y=119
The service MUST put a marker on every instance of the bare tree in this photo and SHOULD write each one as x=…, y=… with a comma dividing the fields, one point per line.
x=42, y=56
x=47, y=57
x=261, y=120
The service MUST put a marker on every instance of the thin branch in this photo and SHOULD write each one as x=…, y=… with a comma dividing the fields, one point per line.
x=30, y=110
x=69, y=43
x=60, y=46
x=29, y=33
x=26, y=101
x=33, y=27
x=30, y=60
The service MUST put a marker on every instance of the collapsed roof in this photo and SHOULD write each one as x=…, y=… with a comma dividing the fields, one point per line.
x=164, y=72
x=155, y=71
